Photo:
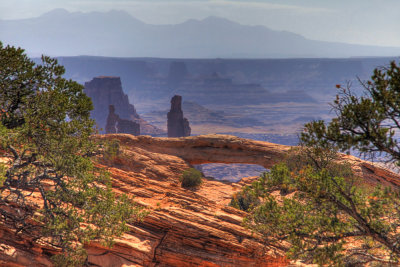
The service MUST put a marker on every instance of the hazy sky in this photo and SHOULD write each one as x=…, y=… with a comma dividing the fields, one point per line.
x=375, y=22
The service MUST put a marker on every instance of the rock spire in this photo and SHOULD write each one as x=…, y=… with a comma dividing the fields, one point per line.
x=178, y=126
x=117, y=125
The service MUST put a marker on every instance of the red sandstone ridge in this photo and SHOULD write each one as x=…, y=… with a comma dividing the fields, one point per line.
x=230, y=149
x=185, y=227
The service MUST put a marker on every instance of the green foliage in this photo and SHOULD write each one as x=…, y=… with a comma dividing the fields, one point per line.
x=18, y=80
x=3, y=171
x=318, y=211
x=368, y=123
x=191, y=178
x=245, y=199
x=313, y=202
x=45, y=131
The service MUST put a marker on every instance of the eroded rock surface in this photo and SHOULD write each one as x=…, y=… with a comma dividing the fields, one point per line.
x=185, y=227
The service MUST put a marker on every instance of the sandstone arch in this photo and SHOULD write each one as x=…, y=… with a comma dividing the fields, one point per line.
x=211, y=149
x=230, y=149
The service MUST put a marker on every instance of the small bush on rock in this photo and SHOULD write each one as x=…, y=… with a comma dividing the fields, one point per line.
x=191, y=178
x=245, y=199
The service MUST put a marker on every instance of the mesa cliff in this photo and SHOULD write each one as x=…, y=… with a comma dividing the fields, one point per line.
x=185, y=227
x=107, y=90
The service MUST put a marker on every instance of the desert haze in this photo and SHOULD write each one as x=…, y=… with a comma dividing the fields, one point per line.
x=116, y=33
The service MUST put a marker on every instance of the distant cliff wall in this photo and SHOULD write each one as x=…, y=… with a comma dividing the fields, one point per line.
x=177, y=73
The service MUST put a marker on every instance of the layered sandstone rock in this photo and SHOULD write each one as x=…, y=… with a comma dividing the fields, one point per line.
x=185, y=227
x=178, y=126
x=107, y=90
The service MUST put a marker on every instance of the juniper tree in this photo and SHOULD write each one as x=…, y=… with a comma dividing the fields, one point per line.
x=313, y=206
x=369, y=123
x=324, y=215
x=46, y=150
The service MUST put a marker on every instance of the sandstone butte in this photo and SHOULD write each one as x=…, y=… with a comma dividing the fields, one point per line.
x=185, y=227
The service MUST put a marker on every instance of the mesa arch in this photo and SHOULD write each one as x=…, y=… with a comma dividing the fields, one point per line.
x=229, y=149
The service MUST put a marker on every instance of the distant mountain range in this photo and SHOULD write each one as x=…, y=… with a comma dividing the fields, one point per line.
x=118, y=34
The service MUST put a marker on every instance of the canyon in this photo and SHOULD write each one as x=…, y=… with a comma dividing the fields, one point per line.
x=185, y=227
x=248, y=91
x=274, y=96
